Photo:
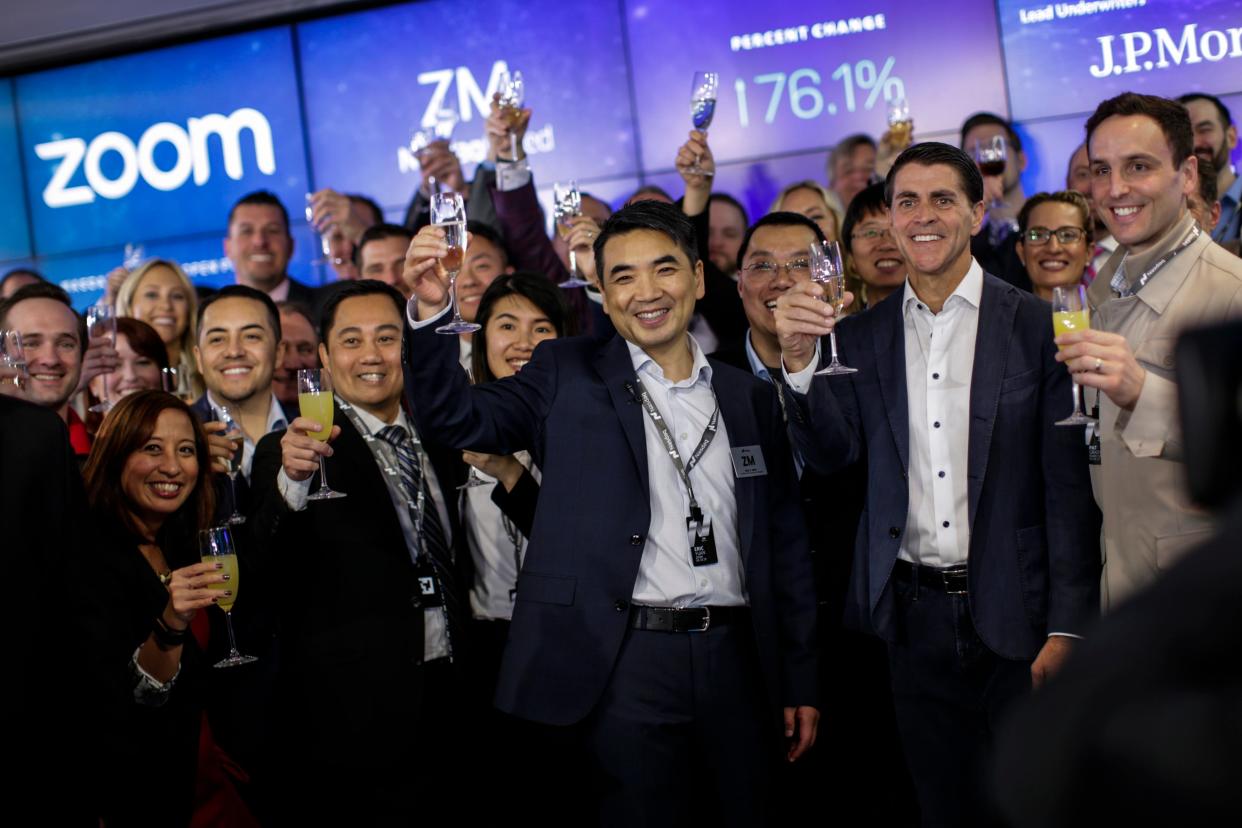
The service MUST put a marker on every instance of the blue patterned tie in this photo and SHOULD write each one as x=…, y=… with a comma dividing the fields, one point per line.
x=431, y=541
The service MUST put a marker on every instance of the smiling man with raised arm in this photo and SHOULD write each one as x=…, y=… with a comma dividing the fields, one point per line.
x=665, y=604
x=976, y=556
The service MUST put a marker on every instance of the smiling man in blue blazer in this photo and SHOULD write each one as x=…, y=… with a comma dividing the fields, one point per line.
x=977, y=554
x=666, y=601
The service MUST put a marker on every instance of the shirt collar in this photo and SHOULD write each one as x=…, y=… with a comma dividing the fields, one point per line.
x=1234, y=193
x=280, y=293
x=969, y=290
x=374, y=423
x=701, y=370
x=275, y=414
x=756, y=365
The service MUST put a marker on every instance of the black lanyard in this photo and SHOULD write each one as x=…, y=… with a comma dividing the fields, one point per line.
x=1119, y=284
x=683, y=469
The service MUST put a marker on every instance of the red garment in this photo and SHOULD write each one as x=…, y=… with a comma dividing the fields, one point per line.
x=216, y=800
x=79, y=437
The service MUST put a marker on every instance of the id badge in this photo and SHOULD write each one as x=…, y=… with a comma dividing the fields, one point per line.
x=1093, y=444
x=703, y=549
x=427, y=586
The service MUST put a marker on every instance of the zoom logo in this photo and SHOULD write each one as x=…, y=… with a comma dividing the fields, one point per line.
x=191, y=156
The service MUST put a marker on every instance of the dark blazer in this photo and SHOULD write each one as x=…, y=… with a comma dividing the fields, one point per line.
x=570, y=407
x=349, y=632
x=1034, y=542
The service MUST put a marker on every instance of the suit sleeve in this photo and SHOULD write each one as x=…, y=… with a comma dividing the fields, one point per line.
x=824, y=423
x=519, y=505
x=501, y=417
x=1072, y=519
x=793, y=579
x=269, y=507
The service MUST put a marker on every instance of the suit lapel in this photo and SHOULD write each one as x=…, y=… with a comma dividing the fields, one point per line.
x=890, y=362
x=615, y=368
x=997, y=309
x=743, y=430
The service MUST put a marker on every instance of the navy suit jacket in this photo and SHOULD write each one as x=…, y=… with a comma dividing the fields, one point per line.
x=571, y=408
x=1034, y=527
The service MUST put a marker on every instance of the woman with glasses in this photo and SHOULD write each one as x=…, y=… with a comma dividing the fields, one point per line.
x=1055, y=241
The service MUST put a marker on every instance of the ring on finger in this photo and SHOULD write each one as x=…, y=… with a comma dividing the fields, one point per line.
x=1098, y=363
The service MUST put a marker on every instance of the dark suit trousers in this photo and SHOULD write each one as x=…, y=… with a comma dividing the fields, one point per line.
x=949, y=691
x=684, y=732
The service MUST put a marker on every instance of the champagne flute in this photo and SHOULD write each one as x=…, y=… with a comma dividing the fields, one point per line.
x=1070, y=313
x=900, y=126
x=234, y=433
x=13, y=360
x=215, y=545
x=567, y=205
x=315, y=403
x=325, y=243
x=510, y=95
x=101, y=323
x=826, y=268
x=990, y=156
x=440, y=129
x=448, y=212
x=702, y=108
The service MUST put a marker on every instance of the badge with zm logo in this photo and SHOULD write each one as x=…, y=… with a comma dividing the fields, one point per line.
x=748, y=461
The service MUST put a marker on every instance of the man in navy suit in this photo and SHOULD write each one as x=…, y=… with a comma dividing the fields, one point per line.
x=666, y=600
x=977, y=553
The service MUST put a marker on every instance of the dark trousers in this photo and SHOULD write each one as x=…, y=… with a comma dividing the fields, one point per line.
x=684, y=732
x=949, y=692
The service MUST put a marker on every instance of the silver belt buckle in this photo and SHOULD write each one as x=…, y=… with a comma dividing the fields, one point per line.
x=948, y=578
x=707, y=621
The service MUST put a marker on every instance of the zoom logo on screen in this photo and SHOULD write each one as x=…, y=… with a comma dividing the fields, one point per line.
x=190, y=157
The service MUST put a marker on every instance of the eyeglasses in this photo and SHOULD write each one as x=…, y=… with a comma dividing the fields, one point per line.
x=798, y=268
x=1065, y=235
x=871, y=234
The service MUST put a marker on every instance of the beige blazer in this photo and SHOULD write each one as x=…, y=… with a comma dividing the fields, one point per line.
x=1139, y=485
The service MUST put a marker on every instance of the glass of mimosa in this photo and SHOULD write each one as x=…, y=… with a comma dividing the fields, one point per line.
x=315, y=403
x=1069, y=314
x=215, y=545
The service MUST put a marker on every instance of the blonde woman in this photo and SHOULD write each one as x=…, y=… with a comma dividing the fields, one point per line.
x=159, y=293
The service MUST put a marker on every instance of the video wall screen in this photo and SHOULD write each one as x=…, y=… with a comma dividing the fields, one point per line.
x=153, y=147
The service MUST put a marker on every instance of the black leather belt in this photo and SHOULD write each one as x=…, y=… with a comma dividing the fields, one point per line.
x=686, y=619
x=952, y=580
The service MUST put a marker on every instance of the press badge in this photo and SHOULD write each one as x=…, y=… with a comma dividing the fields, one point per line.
x=748, y=461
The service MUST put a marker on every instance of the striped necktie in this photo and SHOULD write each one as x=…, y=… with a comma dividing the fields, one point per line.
x=431, y=539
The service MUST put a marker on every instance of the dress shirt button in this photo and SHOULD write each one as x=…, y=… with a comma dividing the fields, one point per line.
x=945, y=524
x=941, y=474
x=636, y=540
x=936, y=424
x=683, y=435
x=935, y=376
x=920, y=307
x=621, y=605
x=894, y=532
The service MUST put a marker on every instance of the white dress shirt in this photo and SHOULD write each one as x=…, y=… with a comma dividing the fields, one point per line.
x=496, y=547
x=295, y=492
x=940, y=362
x=275, y=422
x=667, y=576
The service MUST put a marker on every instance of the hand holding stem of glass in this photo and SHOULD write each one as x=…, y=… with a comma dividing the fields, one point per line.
x=827, y=269
x=215, y=546
x=1070, y=313
x=448, y=213
x=315, y=403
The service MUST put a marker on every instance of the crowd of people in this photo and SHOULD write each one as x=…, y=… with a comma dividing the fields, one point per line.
x=623, y=553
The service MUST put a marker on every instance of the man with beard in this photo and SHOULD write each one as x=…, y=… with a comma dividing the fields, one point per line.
x=1216, y=136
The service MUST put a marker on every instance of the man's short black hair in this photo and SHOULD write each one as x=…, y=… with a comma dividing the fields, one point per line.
x=870, y=200
x=263, y=197
x=483, y=230
x=983, y=118
x=368, y=203
x=725, y=198
x=20, y=271
x=379, y=231
x=646, y=215
x=930, y=153
x=1170, y=116
x=777, y=219
x=240, y=292
x=1226, y=119
x=44, y=290
x=352, y=290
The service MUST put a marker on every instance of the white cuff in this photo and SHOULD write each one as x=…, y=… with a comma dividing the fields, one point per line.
x=411, y=314
x=295, y=492
x=801, y=381
x=1064, y=635
x=594, y=295
x=512, y=175
x=149, y=690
